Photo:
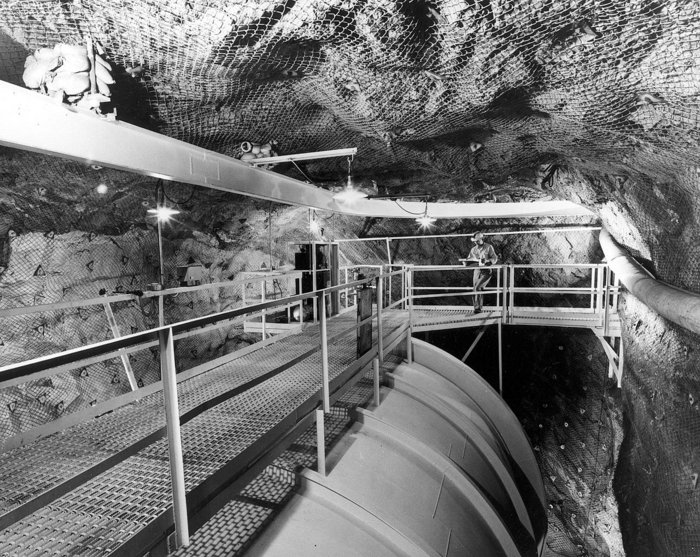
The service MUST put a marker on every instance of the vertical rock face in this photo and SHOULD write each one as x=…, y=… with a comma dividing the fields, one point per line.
x=571, y=411
x=656, y=481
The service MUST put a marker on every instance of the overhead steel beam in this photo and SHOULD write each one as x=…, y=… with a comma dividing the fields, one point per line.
x=38, y=123
x=351, y=152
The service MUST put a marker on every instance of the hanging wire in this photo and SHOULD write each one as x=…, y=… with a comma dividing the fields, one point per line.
x=411, y=212
x=174, y=200
x=158, y=192
x=350, y=158
x=309, y=180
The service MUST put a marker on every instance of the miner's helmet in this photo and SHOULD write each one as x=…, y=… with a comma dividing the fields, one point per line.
x=478, y=236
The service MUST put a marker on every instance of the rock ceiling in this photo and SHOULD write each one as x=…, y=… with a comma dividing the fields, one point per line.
x=456, y=98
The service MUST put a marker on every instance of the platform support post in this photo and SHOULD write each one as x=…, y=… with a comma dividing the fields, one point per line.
x=172, y=415
x=409, y=294
x=380, y=325
x=321, y=441
x=325, y=395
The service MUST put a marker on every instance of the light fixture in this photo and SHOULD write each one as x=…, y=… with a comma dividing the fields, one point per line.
x=424, y=220
x=349, y=194
x=163, y=213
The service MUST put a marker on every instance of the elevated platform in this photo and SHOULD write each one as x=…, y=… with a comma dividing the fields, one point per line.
x=103, y=486
x=436, y=318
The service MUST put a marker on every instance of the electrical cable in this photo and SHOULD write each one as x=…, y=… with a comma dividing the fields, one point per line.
x=411, y=212
x=309, y=180
x=175, y=201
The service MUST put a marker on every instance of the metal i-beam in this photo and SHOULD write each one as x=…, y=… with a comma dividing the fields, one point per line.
x=38, y=123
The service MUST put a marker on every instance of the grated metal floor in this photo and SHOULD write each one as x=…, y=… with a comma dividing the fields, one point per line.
x=223, y=534
x=101, y=514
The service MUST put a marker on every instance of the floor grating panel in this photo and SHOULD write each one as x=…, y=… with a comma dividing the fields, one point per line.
x=106, y=511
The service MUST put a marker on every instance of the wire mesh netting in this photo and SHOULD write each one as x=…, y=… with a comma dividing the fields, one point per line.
x=449, y=87
x=484, y=100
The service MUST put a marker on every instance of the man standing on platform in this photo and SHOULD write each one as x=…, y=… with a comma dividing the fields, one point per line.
x=483, y=254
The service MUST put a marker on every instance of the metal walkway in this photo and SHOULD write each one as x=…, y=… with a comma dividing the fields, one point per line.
x=91, y=489
x=102, y=486
x=435, y=318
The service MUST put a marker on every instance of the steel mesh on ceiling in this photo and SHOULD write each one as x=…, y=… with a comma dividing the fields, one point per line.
x=471, y=89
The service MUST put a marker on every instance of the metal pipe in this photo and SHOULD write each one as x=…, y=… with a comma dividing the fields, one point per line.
x=172, y=416
x=677, y=305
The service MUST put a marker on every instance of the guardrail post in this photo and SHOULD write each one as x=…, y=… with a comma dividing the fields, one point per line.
x=263, y=299
x=321, y=441
x=500, y=357
x=606, y=303
x=504, y=294
x=172, y=416
x=599, y=290
x=124, y=357
x=409, y=294
x=325, y=395
x=511, y=287
x=380, y=325
x=375, y=370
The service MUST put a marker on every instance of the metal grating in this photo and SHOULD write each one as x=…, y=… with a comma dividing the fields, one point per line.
x=115, y=504
x=223, y=534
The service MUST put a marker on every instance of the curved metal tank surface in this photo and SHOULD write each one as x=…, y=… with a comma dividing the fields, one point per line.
x=441, y=467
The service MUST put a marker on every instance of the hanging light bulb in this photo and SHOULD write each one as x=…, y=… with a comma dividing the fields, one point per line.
x=163, y=213
x=424, y=220
x=349, y=195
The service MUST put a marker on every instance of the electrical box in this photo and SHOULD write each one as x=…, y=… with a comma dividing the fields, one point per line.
x=318, y=262
x=190, y=275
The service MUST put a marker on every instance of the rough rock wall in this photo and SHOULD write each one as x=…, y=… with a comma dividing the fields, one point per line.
x=70, y=238
x=656, y=481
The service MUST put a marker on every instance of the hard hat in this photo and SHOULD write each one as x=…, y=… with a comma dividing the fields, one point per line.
x=478, y=236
